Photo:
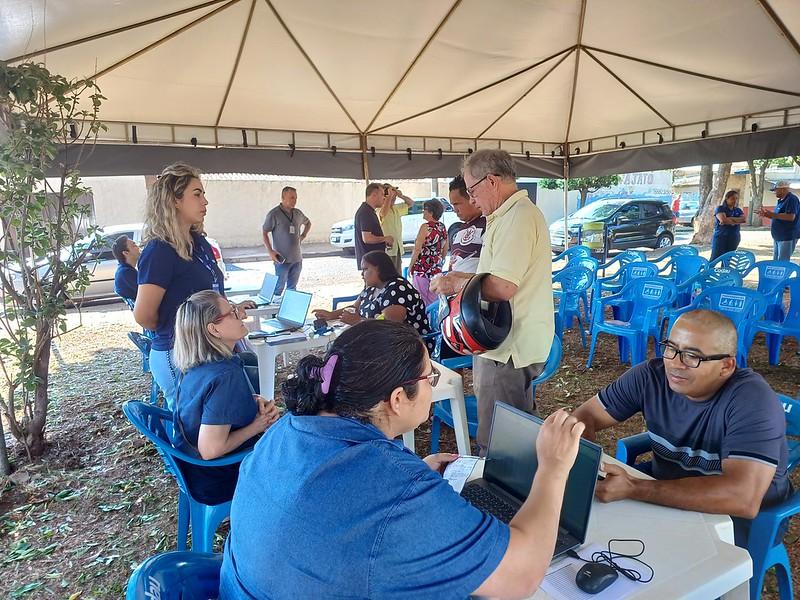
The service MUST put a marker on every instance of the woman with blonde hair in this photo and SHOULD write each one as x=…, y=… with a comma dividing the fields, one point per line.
x=175, y=262
x=216, y=409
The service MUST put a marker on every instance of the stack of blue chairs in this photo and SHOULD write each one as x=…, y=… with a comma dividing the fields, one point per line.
x=788, y=323
x=575, y=281
x=738, y=260
x=771, y=275
x=668, y=268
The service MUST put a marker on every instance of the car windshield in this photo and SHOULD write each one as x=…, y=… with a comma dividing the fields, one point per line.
x=597, y=210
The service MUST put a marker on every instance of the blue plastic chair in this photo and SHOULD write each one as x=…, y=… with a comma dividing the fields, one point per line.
x=622, y=259
x=614, y=283
x=574, y=282
x=738, y=260
x=771, y=273
x=342, y=299
x=789, y=325
x=644, y=297
x=685, y=271
x=176, y=576
x=154, y=423
x=442, y=413
x=574, y=252
x=144, y=343
x=666, y=261
x=741, y=305
x=791, y=408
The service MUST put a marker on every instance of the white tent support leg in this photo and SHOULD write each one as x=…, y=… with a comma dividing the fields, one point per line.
x=566, y=201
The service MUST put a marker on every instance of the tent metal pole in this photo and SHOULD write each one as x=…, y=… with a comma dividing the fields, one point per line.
x=566, y=200
x=364, y=161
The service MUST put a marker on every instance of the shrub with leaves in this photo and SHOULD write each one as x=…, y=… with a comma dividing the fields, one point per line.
x=47, y=124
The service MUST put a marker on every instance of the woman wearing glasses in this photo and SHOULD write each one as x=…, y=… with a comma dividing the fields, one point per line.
x=216, y=409
x=329, y=505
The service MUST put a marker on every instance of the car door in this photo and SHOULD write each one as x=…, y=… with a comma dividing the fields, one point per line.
x=624, y=227
x=105, y=266
x=652, y=217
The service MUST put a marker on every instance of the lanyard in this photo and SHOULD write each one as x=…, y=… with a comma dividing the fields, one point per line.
x=208, y=263
x=289, y=217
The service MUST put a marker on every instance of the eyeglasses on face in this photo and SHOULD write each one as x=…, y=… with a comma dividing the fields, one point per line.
x=687, y=357
x=432, y=377
x=471, y=189
x=235, y=311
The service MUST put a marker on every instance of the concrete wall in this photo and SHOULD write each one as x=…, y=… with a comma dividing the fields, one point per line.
x=117, y=200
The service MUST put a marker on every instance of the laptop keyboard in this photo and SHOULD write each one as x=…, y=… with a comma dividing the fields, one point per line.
x=484, y=500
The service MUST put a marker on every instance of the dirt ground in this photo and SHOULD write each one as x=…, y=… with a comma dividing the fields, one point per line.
x=75, y=524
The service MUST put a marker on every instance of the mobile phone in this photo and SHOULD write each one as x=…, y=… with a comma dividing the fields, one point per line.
x=280, y=258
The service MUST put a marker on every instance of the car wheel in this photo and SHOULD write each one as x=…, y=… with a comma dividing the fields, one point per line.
x=664, y=241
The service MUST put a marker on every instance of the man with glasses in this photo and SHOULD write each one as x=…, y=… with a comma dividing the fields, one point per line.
x=717, y=432
x=516, y=255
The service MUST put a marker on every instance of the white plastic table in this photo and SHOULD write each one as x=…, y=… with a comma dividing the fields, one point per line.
x=254, y=316
x=692, y=554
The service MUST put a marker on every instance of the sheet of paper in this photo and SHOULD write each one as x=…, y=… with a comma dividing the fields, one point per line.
x=560, y=584
x=458, y=471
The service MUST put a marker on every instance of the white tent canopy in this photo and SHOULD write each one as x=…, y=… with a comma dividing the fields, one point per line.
x=389, y=87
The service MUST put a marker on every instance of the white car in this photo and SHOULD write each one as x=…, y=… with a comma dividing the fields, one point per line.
x=103, y=265
x=342, y=231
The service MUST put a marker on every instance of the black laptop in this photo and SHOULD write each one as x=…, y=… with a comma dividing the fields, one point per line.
x=510, y=466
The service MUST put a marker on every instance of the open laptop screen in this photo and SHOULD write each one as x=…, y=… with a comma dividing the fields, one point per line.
x=294, y=306
x=268, y=287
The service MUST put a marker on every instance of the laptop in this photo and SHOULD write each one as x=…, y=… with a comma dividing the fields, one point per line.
x=264, y=297
x=510, y=466
x=291, y=314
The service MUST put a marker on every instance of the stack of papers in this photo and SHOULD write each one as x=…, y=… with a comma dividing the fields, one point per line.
x=280, y=338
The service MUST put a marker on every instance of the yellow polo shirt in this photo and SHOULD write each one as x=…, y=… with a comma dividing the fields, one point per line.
x=516, y=247
x=392, y=225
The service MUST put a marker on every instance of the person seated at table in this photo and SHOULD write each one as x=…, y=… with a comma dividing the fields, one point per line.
x=386, y=295
x=216, y=410
x=717, y=432
x=329, y=505
x=127, y=252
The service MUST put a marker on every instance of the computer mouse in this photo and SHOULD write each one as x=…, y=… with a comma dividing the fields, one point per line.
x=593, y=577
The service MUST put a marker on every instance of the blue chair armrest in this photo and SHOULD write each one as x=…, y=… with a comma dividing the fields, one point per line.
x=777, y=513
x=630, y=448
x=340, y=299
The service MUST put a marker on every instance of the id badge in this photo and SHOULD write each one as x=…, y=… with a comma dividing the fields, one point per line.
x=292, y=229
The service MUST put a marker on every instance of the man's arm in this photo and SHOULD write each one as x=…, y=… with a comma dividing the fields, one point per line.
x=371, y=238
x=409, y=201
x=306, y=229
x=738, y=492
x=497, y=289
x=592, y=414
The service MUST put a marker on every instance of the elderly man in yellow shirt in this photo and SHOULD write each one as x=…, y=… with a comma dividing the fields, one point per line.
x=391, y=221
x=516, y=254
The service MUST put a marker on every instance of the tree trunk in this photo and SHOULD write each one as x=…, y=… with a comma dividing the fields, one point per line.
x=758, y=176
x=5, y=466
x=41, y=368
x=584, y=194
x=711, y=190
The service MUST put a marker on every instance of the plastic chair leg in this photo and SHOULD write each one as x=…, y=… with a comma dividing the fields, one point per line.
x=205, y=520
x=774, y=342
x=582, y=330
x=591, y=349
x=436, y=427
x=183, y=520
x=154, y=392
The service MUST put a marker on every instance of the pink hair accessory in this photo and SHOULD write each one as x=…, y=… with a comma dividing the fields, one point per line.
x=325, y=373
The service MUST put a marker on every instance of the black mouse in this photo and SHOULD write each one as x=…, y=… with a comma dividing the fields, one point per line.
x=593, y=578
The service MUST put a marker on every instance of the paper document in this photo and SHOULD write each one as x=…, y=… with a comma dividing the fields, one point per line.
x=560, y=584
x=458, y=471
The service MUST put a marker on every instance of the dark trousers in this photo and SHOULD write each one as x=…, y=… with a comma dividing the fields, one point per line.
x=720, y=244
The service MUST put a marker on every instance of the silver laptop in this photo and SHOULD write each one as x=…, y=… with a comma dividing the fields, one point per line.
x=264, y=297
x=510, y=466
x=291, y=314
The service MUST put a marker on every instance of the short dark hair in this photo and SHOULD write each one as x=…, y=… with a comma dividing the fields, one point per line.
x=434, y=207
x=288, y=188
x=371, y=188
x=120, y=245
x=387, y=352
x=386, y=269
x=459, y=184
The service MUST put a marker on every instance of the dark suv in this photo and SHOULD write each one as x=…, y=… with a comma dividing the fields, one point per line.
x=646, y=222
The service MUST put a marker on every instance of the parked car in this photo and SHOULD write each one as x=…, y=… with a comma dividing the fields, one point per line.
x=102, y=263
x=342, y=231
x=685, y=209
x=647, y=222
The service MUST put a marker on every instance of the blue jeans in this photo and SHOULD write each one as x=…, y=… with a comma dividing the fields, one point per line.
x=165, y=374
x=288, y=276
x=722, y=244
x=783, y=250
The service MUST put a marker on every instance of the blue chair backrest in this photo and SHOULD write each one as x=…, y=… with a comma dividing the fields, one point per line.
x=791, y=408
x=176, y=576
x=773, y=272
x=553, y=360
x=666, y=261
x=736, y=303
x=574, y=282
x=721, y=276
x=584, y=261
x=793, y=312
x=738, y=260
x=623, y=258
x=637, y=270
x=574, y=252
x=647, y=295
x=686, y=266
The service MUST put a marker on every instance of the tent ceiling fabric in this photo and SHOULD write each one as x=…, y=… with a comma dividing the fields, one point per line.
x=537, y=76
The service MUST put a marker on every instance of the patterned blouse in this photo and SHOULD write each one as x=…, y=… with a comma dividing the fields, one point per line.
x=429, y=261
x=396, y=292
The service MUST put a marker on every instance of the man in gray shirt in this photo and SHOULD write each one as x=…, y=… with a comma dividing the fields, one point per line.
x=288, y=226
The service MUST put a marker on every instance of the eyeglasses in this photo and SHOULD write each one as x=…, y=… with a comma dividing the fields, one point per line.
x=687, y=357
x=235, y=311
x=471, y=189
x=432, y=377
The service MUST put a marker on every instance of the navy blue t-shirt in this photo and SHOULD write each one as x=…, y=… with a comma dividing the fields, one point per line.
x=786, y=230
x=160, y=265
x=125, y=281
x=213, y=393
x=743, y=420
x=328, y=507
x=366, y=219
x=719, y=228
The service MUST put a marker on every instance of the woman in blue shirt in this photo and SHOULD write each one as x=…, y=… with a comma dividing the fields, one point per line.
x=216, y=410
x=329, y=505
x=175, y=262
x=727, y=219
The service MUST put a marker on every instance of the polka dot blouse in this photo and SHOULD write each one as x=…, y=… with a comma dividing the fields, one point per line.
x=398, y=292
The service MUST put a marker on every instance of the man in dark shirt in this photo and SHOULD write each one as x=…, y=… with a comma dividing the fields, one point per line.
x=785, y=227
x=368, y=235
x=718, y=433
x=127, y=253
